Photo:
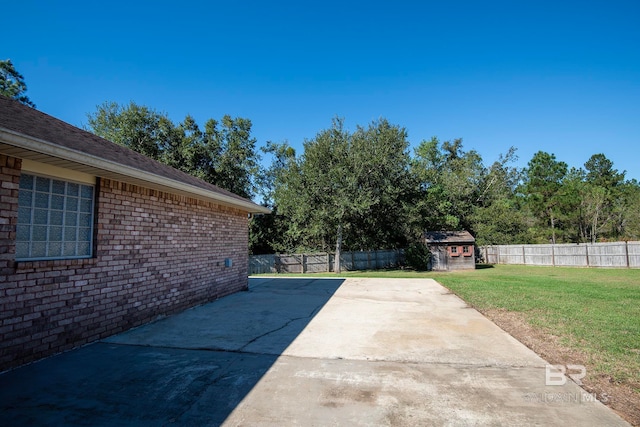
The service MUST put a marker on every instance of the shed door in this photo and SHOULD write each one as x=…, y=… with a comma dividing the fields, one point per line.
x=440, y=258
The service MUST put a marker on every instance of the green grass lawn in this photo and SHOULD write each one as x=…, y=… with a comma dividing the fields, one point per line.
x=595, y=311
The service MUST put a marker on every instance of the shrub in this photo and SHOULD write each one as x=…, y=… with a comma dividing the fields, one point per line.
x=417, y=256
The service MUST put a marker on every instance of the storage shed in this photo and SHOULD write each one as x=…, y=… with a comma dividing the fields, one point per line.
x=451, y=250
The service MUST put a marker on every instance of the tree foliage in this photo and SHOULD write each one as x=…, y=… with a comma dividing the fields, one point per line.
x=417, y=256
x=497, y=216
x=134, y=126
x=450, y=181
x=595, y=200
x=12, y=83
x=347, y=188
x=542, y=184
x=224, y=153
x=381, y=162
x=364, y=189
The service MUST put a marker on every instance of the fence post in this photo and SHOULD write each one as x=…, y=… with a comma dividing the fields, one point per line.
x=304, y=269
x=553, y=255
x=586, y=250
x=626, y=251
x=524, y=257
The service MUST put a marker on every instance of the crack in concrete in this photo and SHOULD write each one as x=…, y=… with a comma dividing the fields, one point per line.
x=368, y=360
x=290, y=321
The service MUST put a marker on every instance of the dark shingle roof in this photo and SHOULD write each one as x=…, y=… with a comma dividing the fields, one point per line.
x=449, y=237
x=103, y=158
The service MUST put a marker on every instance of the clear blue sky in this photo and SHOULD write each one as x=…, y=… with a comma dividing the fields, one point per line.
x=558, y=76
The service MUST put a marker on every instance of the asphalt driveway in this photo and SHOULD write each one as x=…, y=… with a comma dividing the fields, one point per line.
x=304, y=352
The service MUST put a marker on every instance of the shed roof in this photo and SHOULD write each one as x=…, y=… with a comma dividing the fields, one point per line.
x=30, y=134
x=449, y=237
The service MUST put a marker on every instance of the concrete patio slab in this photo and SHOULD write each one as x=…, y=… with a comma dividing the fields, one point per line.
x=409, y=320
x=304, y=352
x=264, y=320
x=320, y=392
x=123, y=385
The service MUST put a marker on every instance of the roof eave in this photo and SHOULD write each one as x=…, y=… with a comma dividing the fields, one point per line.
x=99, y=166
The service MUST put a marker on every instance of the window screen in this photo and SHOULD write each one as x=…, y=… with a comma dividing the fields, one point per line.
x=55, y=219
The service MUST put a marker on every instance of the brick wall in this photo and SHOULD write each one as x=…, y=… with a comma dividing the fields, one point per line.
x=156, y=253
x=9, y=183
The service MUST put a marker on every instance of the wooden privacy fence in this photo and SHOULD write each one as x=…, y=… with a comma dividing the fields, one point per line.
x=323, y=262
x=614, y=254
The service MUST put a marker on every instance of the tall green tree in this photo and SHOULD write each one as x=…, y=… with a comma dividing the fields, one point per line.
x=282, y=157
x=319, y=192
x=577, y=203
x=182, y=150
x=626, y=211
x=230, y=158
x=12, y=83
x=449, y=180
x=497, y=216
x=134, y=126
x=381, y=159
x=542, y=184
x=600, y=172
x=347, y=189
x=223, y=154
x=269, y=233
x=603, y=190
x=594, y=202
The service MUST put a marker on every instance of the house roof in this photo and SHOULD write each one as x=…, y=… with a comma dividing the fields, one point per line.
x=27, y=133
x=449, y=237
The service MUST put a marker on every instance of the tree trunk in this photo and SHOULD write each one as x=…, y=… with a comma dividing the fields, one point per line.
x=336, y=262
x=553, y=227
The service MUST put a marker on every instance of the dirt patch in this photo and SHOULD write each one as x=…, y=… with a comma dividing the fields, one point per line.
x=619, y=397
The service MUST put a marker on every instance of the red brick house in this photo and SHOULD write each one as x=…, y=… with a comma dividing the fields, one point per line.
x=96, y=239
x=451, y=250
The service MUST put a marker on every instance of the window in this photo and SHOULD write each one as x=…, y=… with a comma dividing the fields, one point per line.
x=466, y=251
x=55, y=219
x=454, y=251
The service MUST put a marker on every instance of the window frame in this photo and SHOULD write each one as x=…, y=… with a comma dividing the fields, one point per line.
x=453, y=251
x=68, y=220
